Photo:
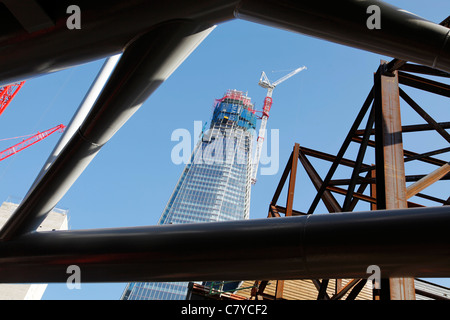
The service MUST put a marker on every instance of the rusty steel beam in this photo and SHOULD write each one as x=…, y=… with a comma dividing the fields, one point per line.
x=332, y=158
x=424, y=84
x=416, y=68
x=360, y=190
x=412, y=128
x=273, y=212
x=409, y=154
x=424, y=157
x=292, y=178
x=338, y=295
x=282, y=181
x=425, y=196
x=389, y=145
x=323, y=289
x=358, y=162
x=390, y=169
x=425, y=115
x=367, y=103
x=361, y=180
x=428, y=180
x=328, y=199
x=276, y=209
x=373, y=190
x=279, y=290
x=355, y=195
x=357, y=289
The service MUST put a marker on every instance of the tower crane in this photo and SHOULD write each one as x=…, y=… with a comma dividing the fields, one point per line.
x=7, y=93
x=265, y=83
x=29, y=142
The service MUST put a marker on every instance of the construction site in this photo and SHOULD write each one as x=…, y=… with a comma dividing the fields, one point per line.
x=385, y=192
x=383, y=122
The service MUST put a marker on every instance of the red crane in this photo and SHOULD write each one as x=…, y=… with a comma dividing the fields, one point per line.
x=29, y=142
x=7, y=93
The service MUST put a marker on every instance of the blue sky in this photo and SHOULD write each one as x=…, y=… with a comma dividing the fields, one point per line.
x=131, y=179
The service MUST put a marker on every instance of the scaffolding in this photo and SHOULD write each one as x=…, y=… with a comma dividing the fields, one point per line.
x=235, y=107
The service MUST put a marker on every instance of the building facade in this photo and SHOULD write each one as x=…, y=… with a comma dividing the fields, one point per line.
x=57, y=219
x=214, y=186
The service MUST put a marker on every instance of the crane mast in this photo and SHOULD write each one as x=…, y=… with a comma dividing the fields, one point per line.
x=265, y=83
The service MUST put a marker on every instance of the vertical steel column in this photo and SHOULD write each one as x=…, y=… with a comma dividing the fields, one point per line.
x=292, y=177
x=376, y=292
x=289, y=204
x=390, y=170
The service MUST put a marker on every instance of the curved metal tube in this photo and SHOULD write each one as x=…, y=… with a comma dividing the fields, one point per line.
x=108, y=26
x=340, y=245
x=144, y=65
x=402, y=35
x=82, y=111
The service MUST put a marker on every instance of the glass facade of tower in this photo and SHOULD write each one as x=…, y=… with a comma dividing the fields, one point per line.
x=214, y=186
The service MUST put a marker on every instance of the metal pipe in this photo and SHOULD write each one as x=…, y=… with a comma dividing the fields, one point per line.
x=108, y=26
x=144, y=65
x=401, y=35
x=340, y=245
x=82, y=112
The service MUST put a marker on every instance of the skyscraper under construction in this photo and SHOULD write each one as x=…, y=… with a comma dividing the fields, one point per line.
x=214, y=186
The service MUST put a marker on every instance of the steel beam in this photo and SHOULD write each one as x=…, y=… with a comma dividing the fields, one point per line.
x=328, y=199
x=331, y=158
x=358, y=162
x=390, y=171
x=411, y=155
x=367, y=103
x=425, y=115
x=428, y=180
x=282, y=181
x=424, y=84
x=415, y=68
x=414, y=128
x=292, y=178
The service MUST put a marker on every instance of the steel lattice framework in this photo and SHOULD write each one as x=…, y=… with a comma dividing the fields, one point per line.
x=385, y=180
x=7, y=94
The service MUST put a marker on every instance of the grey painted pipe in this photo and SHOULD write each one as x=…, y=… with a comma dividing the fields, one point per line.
x=81, y=113
x=412, y=242
x=144, y=65
x=402, y=34
x=106, y=32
